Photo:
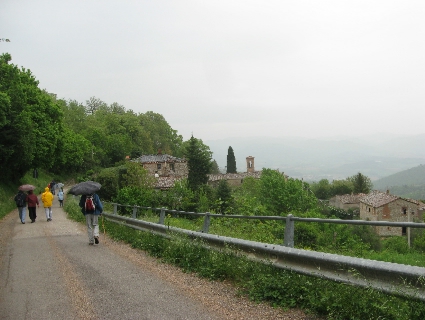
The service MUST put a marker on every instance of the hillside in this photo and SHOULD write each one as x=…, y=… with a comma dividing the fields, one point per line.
x=408, y=183
x=410, y=177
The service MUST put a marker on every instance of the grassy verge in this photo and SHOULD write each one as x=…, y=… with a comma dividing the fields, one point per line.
x=280, y=288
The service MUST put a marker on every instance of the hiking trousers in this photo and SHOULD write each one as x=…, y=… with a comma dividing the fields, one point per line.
x=92, y=226
x=22, y=212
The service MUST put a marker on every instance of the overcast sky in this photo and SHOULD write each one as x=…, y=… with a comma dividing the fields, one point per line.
x=232, y=68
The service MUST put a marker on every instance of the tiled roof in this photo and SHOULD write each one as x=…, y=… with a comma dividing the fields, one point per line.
x=158, y=158
x=378, y=199
x=350, y=198
x=234, y=176
x=166, y=182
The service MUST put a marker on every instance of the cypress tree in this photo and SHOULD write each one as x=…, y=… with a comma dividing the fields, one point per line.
x=231, y=161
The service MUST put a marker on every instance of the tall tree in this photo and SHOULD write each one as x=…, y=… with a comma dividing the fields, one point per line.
x=231, y=161
x=198, y=162
x=30, y=122
x=361, y=183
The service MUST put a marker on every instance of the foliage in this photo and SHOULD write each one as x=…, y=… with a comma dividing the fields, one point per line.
x=281, y=195
x=224, y=199
x=198, y=162
x=109, y=179
x=322, y=189
x=361, y=183
x=214, y=167
x=136, y=176
x=30, y=122
x=231, y=161
x=325, y=190
x=138, y=196
x=396, y=244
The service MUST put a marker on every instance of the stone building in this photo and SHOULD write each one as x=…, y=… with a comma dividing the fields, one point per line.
x=164, y=165
x=346, y=201
x=381, y=206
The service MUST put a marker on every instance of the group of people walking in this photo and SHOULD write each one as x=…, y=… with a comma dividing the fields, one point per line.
x=91, y=212
x=29, y=199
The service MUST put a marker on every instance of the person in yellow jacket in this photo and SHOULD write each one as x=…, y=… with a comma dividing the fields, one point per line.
x=47, y=198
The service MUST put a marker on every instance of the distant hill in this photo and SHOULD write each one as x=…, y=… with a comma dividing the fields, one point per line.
x=410, y=177
x=376, y=156
x=409, y=183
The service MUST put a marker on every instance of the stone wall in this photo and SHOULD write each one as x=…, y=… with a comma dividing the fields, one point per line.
x=398, y=210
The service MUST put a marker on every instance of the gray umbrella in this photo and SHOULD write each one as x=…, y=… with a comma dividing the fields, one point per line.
x=86, y=187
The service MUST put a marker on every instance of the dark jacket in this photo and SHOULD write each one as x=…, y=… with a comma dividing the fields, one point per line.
x=32, y=200
x=98, y=205
x=20, y=198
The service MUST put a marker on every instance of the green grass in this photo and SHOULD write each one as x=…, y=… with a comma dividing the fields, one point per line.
x=262, y=282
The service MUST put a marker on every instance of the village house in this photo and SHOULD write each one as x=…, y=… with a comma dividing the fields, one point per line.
x=346, y=201
x=383, y=206
x=163, y=165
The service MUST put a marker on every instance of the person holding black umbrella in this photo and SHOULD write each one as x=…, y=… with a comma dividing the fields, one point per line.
x=92, y=208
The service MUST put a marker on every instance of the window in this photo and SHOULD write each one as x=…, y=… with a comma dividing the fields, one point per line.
x=172, y=166
x=404, y=210
x=158, y=166
x=368, y=209
x=403, y=231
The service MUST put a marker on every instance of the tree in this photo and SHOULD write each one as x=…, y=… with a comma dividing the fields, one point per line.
x=340, y=187
x=361, y=183
x=198, y=162
x=94, y=104
x=322, y=189
x=231, y=161
x=224, y=196
x=281, y=195
x=31, y=122
x=214, y=167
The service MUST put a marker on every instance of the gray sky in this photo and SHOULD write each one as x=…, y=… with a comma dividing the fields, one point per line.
x=226, y=68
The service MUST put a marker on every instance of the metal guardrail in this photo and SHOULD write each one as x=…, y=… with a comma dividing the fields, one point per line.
x=289, y=220
x=392, y=278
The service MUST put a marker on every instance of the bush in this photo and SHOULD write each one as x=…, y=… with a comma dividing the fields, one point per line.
x=396, y=244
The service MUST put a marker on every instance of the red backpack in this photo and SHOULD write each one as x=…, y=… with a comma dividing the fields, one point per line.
x=89, y=205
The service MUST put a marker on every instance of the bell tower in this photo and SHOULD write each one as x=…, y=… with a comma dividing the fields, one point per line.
x=250, y=164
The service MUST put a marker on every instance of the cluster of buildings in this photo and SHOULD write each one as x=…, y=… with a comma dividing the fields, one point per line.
x=375, y=206
x=168, y=169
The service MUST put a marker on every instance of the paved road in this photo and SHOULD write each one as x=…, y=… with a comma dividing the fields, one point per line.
x=48, y=271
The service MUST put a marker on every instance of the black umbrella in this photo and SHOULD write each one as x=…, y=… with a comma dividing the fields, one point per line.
x=86, y=187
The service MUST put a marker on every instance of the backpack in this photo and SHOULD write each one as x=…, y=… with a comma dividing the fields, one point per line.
x=89, y=205
x=20, y=200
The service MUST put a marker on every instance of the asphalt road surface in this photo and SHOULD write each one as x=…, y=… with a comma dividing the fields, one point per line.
x=49, y=271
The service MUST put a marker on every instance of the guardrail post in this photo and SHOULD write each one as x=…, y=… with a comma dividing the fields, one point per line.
x=206, y=226
x=162, y=216
x=288, y=240
x=115, y=208
x=134, y=212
